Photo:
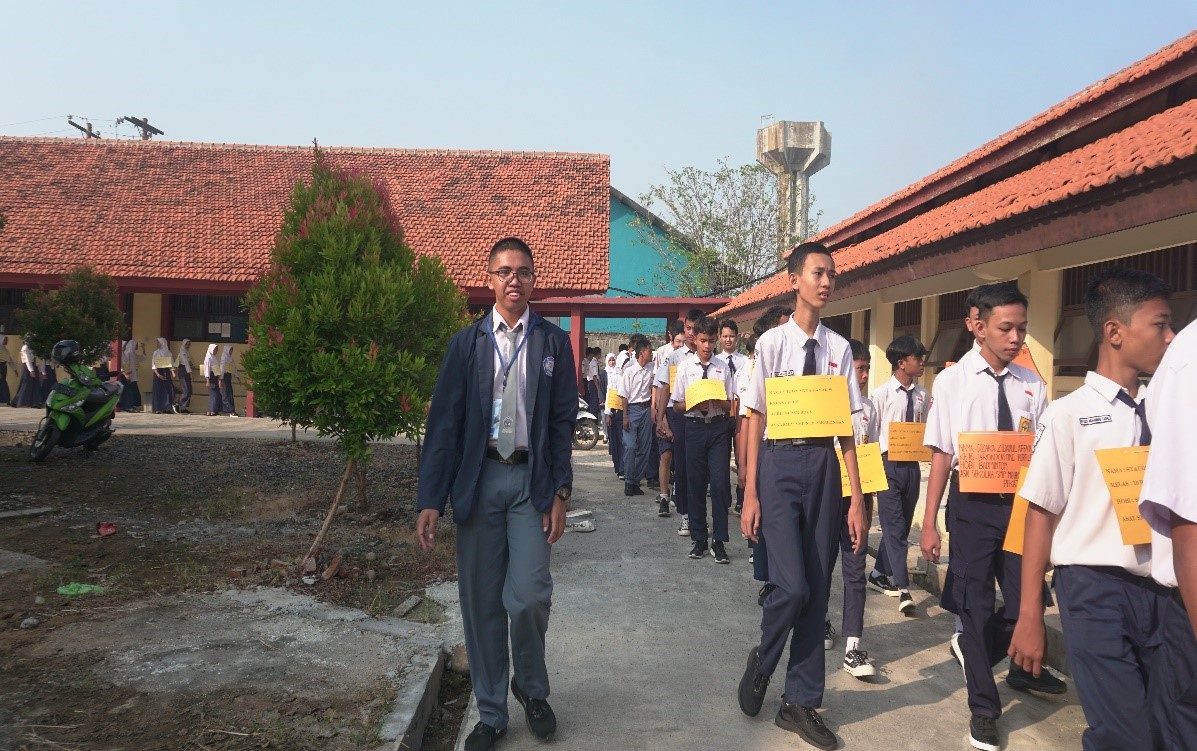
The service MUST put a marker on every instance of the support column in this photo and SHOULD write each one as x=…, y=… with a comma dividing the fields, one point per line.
x=577, y=340
x=857, y=325
x=881, y=333
x=1043, y=289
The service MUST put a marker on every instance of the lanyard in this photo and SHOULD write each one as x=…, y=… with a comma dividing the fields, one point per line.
x=506, y=366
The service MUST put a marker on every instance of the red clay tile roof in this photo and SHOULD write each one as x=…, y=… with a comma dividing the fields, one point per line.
x=1153, y=143
x=210, y=212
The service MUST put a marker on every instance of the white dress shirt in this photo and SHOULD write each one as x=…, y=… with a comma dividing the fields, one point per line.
x=673, y=360
x=691, y=370
x=890, y=401
x=519, y=369
x=1065, y=479
x=1170, y=483
x=636, y=382
x=780, y=351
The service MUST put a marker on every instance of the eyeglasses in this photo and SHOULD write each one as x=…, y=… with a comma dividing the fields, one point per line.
x=524, y=275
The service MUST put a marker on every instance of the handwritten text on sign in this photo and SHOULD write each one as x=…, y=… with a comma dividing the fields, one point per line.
x=1122, y=469
x=1016, y=532
x=989, y=461
x=807, y=407
x=704, y=390
x=906, y=442
x=672, y=377
x=868, y=463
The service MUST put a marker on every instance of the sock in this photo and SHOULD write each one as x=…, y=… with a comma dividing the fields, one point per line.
x=874, y=574
x=959, y=625
x=851, y=643
x=906, y=592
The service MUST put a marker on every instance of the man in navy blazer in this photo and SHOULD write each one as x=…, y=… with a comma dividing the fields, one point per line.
x=499, y=441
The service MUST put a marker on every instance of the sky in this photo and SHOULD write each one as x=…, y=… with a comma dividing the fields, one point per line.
x=904, y=88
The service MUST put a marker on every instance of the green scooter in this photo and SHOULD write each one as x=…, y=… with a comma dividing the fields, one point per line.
x=79, y=410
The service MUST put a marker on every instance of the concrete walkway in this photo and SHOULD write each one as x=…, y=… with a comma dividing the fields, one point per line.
x=646, y=648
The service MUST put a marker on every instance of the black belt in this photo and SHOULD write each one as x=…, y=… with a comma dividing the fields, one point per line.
x=520, y=456
x=1145, y=582
x=822, y=442
x=708, y=419
x=640, y=404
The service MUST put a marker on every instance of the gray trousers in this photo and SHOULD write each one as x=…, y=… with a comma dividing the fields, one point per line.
x=503, y=579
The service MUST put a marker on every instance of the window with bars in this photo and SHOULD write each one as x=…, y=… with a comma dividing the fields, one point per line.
x=209, y=318
x=908, y=318
x=952, y=341
x=841, y=325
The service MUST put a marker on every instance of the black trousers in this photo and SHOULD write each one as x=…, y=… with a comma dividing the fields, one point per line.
x=708, y=454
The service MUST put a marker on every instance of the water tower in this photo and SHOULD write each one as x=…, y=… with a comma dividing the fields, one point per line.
x=794, y=151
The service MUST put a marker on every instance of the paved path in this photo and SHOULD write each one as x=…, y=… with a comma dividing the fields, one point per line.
x=646, y=648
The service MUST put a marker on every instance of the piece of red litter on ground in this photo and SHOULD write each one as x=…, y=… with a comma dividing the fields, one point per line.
x=106, y=529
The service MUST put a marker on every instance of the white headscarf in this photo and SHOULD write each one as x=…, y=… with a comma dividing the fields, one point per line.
x=163, y=348
x=226, y=358
x=210, y=361
x=612, y=371
x=183, y=359
x=129, y=360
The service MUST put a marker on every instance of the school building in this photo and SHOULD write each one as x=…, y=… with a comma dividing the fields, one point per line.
x=1109, y=175
x=186, y=228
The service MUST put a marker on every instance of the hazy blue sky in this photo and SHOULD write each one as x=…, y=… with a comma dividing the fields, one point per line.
x=903, y=87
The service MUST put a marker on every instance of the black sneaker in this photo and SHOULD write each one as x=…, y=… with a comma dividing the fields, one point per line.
x=807, y=723
x=905, y=604
x=662, y=506
x=882, y=584
x=828, y=635
x=539, y=715
x=483, y=737
x=628, y=490
x=636, y=489
x=737, y=509
x=719, y=553
x=752, y=686
x=1023, y=680
x=699, y=550
x=857, y=665
x=764, y=593
x=983, y=734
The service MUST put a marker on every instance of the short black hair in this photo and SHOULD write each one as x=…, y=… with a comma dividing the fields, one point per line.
x=775, y=312
x=676, y=327
x=1117, y=292
x=970, y=302
x=902, y=347
x=693, y=314
x=797, y=260
x=638, y=343
x=859, y=350
x=622, y=347
x=706, y=325
x=750, y=344
x=728, y=323
x=990, y=296
x=763, y=324
x=510, y=243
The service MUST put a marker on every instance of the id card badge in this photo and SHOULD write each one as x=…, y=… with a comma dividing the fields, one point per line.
x=496, y=412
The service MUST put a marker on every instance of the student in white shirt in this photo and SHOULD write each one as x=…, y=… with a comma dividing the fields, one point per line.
x=899, y=400
x=729, y=343
x=675, y=339
x=183, y=366
x=635, y=388
x=29, y=392
x=985, y=391
x=1114, y=615
x=670, y=424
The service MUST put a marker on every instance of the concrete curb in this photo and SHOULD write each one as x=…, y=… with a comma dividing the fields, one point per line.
x=403, y=729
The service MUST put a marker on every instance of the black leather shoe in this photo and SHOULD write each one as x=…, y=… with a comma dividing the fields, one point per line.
x=541, y=720
x=753, y=686
x=983, y=734
x=1022, y=680
x=807, y=723
x=483, y=737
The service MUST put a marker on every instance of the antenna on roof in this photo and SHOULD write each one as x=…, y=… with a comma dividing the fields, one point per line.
x=87, y=131
x=143, y=126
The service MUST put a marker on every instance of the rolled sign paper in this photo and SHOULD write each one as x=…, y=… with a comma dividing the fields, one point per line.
x=705, y=389
x=162, y=362
x=807, y=407
x=1018, y=520
x=989, y=461
x=868, y=463
x=672, y=377
x=614, y=400
x=1122, y=469
x=906, y=442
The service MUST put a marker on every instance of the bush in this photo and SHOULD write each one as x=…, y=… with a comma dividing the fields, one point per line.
x=83, y=308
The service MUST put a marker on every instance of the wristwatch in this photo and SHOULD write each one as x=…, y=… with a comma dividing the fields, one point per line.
x=564, y=492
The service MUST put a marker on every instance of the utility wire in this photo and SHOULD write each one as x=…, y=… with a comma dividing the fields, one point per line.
x=39, y=120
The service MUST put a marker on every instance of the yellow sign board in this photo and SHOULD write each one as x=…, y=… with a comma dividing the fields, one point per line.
x=1122, y=469
x=1018, y=520
x=614, y=400
x=672, y=377
x=989, y=461
x=162, y=362
x=872, y=471
x=705, y=389
x=807, y=407
x=906, y=442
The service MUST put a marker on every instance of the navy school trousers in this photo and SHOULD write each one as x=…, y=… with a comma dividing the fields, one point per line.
x=1133, y=658
x=895, y=511
x=635, y=443
x=801, y=509
x=677, y=424
x=853, y=569
x=708, y=451
x=615, y=440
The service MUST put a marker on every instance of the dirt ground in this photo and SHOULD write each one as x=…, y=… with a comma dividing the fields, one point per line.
x=194, y=516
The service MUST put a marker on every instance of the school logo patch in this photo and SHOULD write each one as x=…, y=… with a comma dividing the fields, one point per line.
x=1095, y=420
x=547, y=365
x=1038, y=434
x=1024, y=425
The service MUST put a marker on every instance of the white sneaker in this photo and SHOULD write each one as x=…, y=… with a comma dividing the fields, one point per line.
x=684, y=530
x=857, y=665
x=956, y=652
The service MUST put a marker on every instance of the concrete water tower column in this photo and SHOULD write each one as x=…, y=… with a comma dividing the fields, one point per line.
x=794, y=151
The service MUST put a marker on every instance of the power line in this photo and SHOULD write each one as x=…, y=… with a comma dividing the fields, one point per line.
x=39, y=120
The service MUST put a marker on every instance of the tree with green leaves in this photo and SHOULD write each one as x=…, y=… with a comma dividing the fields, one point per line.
x=83, y=308
x=348, y=325
x=722, y=230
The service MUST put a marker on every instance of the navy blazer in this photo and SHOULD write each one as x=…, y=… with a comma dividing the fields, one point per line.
x=459, y=419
